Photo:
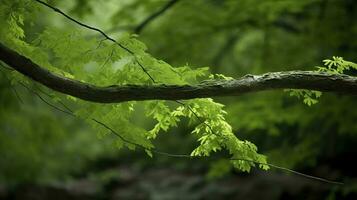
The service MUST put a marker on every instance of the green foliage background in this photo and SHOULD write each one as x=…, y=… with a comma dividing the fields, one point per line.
x=234, y=38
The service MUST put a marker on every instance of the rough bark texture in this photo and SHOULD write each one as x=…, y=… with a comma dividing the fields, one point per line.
x=249, y=83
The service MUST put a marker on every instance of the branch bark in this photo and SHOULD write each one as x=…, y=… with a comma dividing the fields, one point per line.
x=113, y=94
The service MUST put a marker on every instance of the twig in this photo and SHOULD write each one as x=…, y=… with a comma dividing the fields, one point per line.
x=99, y=31
x=291, y=171
x=12, y=88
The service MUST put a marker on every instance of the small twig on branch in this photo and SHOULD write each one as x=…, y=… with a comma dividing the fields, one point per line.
x=292, y=171
x=99, y=31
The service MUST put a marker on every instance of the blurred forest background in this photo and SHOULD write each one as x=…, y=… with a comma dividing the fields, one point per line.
x=45, y=154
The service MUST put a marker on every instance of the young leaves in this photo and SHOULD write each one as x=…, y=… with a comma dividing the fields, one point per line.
x=337, y=65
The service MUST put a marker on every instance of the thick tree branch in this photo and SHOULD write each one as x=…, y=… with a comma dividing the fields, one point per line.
x=249, y=83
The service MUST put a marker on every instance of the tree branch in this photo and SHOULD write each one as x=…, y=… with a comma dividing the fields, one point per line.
x=139, y=28
x=113, y=94
x=154, y=15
